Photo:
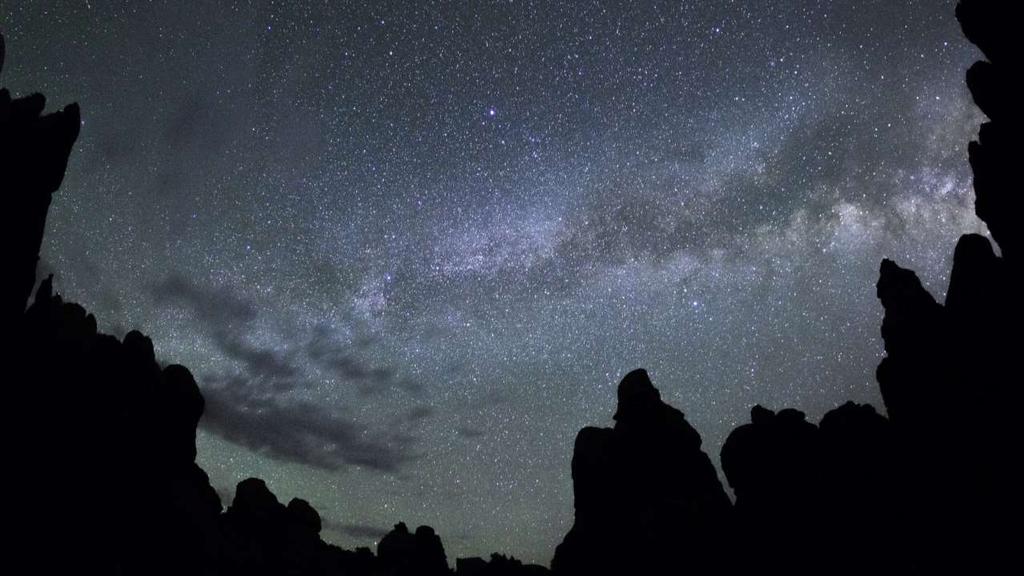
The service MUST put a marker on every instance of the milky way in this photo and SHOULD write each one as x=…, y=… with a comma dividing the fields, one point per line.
x=408, y=252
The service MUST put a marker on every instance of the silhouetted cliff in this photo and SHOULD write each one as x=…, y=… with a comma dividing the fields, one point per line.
x=951, y=376
x=34, y=150
x=993, y=27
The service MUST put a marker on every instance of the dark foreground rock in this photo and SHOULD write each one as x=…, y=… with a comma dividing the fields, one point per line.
x=647, y=498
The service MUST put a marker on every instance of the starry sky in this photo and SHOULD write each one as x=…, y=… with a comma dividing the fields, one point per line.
x=409, y=249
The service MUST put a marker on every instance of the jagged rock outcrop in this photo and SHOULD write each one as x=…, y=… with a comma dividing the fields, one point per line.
x=951, y=384
x=773, y=467
x=406, y=554
x=255, y=527
x=126, y=427
x=34, y=151
x=951, y=376
x=914, y=331
x=647, y=498
x=499, y=565
x=994, y=84
x=827, y=494
x=263, y=536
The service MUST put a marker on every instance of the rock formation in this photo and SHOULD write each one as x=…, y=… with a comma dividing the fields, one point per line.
x=647, y=499
x=934, y=488
x=773, y=467
x=991, y=26
x=34, y=151
x=811, y=496
x=499, y=565
x=951, y=376
x=405, y=554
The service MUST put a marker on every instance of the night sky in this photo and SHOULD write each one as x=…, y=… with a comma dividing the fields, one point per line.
x=409, y=249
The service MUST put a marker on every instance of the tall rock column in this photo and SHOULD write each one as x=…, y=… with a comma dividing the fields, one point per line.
x=647, y=498
x=34, y=150
x=951, y=378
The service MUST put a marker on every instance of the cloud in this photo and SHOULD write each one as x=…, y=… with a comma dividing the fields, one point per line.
x=468, y=432
x=258, y=361
x=259, y=406
x=223, y=313
x=326, y=352
x=218, y=308
x=299, y=430
x=418, y=413
x=361, y=531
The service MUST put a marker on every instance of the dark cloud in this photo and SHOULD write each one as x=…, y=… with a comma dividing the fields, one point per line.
x=218, y=308
x=361, y=531
x=299, y=430
x=326, y=352
x=418, y=413
x=258, y=361
x=223, y=312
x=256, y=407
x=469, y=432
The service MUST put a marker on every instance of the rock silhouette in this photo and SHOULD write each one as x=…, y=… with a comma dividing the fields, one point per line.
x=824, y=487
x=34, y=150
x=401, y=552
x=934, y=486
x=773, y=467
x=647, y=498
x=499, y=565
x=993, y=85
x=119, y=430
x=951, y=376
